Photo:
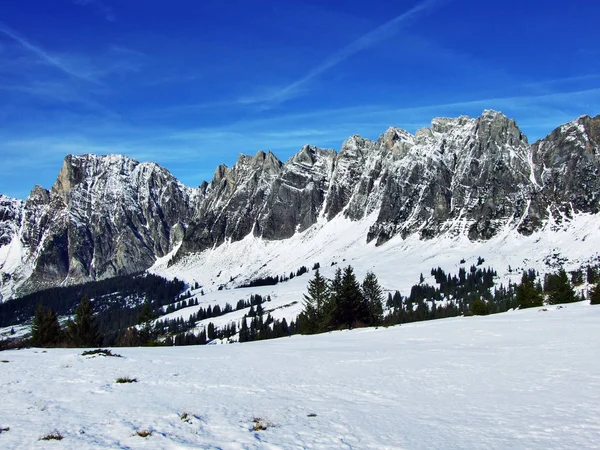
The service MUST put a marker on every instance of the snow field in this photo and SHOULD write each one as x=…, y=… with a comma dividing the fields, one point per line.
x=523, y=379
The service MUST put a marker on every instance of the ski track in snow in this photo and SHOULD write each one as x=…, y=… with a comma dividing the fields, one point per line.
x=522, y=379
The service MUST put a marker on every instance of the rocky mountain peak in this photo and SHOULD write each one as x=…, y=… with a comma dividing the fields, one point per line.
x=267, y=162
x=307, y=155
x=109, y=215
x=585, y=130
x=396, y=140
x=220, y=173
x=355, y=146
x=495, y=126
x=38, y=196
x=444, y=125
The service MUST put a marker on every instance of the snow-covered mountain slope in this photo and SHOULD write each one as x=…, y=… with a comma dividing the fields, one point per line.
x=522, y=379
x=463, y=179
x=568, y=243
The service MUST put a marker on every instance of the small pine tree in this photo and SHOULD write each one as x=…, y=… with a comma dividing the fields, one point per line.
x=592, y=275
x=373, y=295
x=244, y=331
x=82, y=332
x=527, y=294
x=312, y=318
x=45, y=329
x=210, y=332
x=351, y=308
x=331, y=309
x=479, y=307
x=37, y=325
x=145, y=320
x=562, y=291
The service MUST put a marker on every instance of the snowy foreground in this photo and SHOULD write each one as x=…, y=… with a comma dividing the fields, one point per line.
x=524, y=379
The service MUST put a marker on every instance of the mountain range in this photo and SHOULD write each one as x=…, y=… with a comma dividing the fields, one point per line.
x=461, y=178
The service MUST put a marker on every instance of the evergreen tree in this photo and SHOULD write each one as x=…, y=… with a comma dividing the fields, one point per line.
x=562, y=291
x=390, y=301
x=397, y=299
x=479, y=307
x=53, y=331
x=313, y=318
x=37, y=325
x=244, y=332
x=351, y=308
x=210, y=332
x=335, y=289
x=592, y=275
x=82, y=332
x=145, y=321
x=373, y=296
x=45, y=329
x=146, y=313
x=527, y=295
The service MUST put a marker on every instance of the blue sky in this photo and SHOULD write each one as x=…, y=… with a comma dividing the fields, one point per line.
x=191, y=84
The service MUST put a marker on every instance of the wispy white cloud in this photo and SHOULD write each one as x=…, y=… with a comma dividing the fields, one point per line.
x=100, y=7
x=43, y=55
x=573, y=98
x=173, y=79
x=265, y=98
x=32, y=94
x=370, y=39
x=564, y=80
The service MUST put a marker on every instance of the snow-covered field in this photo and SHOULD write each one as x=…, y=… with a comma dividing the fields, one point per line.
x=523, y=379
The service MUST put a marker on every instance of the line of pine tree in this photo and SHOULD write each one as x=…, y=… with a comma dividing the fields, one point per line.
x=341, y=302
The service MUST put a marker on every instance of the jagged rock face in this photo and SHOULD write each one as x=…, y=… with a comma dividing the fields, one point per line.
x=103, y=217
x=260, y=195
x=459, y=175
x=567, y=165
x=297, y=194
x=232, y=202
x=10, y=216
x=112, y=215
